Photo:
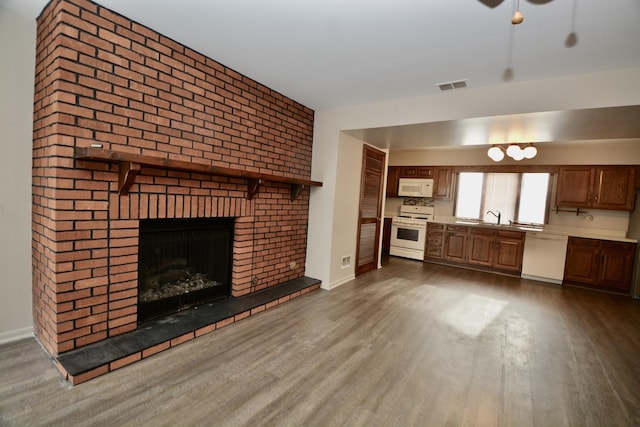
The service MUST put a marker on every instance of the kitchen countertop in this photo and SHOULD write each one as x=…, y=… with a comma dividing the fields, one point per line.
x=546, y=229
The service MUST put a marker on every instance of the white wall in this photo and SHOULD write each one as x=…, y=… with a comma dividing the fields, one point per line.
x=17, y=50
x=603, y=89
x=345, y=212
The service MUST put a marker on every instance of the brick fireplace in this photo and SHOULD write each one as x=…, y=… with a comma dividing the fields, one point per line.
x=106, y=82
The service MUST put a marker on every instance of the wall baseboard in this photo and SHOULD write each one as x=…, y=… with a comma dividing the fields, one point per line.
x=337, y=283
x=15, y=335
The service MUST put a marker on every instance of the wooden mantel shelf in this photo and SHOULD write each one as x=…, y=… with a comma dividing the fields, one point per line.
x=130, y=165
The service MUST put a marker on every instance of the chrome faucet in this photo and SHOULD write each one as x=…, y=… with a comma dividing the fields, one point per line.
x=497, y=215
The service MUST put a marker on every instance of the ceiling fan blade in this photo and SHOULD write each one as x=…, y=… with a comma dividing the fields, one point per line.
x=539, y=1
x=491, y=3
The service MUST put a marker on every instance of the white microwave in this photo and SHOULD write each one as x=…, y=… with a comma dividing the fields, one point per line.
x=415, y=187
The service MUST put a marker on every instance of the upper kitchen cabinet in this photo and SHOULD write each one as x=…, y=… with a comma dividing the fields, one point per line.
x=442, y=183
x=598, y=187
x=393, y=175
x=442, y=179
x=416, y=172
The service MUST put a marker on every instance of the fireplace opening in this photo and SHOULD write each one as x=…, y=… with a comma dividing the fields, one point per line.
x=183, y=263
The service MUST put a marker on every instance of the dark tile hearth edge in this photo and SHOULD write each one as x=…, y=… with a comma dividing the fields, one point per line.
x=159, y=334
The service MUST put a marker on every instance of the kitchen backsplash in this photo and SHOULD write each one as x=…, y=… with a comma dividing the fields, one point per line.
x=417, y=201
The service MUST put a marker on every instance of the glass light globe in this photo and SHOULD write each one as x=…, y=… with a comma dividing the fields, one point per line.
x=495, y=153
x=519, y=155
x=513, y=150
x=530, y=152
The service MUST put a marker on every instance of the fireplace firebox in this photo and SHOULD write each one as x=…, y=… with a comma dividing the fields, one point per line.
x=183, y=263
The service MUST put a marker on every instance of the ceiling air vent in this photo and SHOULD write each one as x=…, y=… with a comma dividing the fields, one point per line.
x=459, y=84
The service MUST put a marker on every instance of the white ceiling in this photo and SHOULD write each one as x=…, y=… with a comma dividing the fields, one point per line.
x=332, y=53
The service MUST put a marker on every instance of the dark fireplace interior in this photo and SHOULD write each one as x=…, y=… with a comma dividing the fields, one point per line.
x=183, y=263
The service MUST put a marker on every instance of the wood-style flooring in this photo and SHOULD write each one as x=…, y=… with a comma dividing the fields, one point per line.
x=410, y=344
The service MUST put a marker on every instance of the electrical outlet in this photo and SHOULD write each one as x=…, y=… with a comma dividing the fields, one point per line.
x=293, y=265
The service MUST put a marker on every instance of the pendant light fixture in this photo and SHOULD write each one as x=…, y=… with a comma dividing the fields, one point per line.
x=513, y=150
x=517, y=17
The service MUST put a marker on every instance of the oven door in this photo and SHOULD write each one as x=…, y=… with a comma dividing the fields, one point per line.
x=408, y=240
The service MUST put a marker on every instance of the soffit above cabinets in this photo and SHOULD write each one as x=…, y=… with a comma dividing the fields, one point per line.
x=573, y=126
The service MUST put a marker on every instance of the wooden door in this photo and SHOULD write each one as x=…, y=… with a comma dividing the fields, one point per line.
x=386, y=236
x=614, y=188
x=509, y=249
x=393, y=175
x=370, y=213
x=616, y=260
x=455, y=245
x=582, y=256
x=574, y=186
x=481, y=242
x=442, y=183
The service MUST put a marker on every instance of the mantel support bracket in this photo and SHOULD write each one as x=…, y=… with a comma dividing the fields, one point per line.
x=253, y=186
x=127, y=176
x=296, y=189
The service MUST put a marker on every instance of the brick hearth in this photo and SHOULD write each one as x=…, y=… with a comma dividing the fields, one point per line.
x=104, y=79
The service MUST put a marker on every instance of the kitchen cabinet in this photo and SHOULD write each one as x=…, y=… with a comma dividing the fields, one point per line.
x=442, y=183
x=601, y=264
x=393, y=175
x=435, y=241
x=416, y=172
x=598, y=187
x=499, y=249
x=484, y=247
x=455, y=244
x=509, y=250
x=386, y=235
x=442, y=179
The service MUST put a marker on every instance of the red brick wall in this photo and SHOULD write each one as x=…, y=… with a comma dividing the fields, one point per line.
x=101, y=78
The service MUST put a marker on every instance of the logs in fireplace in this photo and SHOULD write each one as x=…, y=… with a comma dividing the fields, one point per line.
x=183, y=263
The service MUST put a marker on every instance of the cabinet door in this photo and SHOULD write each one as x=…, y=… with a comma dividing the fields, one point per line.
x=393, y=174
x=416, y=172
x=581, y=263
x=614, y=188
x=574, y=186
x=386, y=236
x=509, y=249
x=481, y=243
x=616, y=260
x=442, y=183
x=455, y=246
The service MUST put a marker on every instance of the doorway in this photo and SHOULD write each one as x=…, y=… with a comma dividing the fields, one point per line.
x=370, y=211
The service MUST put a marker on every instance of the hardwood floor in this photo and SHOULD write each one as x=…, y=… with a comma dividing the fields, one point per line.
x=409, y=344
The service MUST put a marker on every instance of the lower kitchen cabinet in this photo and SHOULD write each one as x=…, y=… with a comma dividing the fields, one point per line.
x=480, y=247
x=435, y=241
x=386, y=235
x=496, y=248
x=600, y=264
x=455, y=244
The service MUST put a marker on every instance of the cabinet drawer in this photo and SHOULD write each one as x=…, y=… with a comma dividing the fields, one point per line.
x=459, y=228
x=517, y=235
x=434, y=226
x=482, y=231
x=434, y=252
x=434, y=240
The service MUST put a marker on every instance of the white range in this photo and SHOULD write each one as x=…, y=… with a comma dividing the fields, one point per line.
x=409, y=231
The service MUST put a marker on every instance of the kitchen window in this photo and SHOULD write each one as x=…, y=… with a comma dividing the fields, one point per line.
x=520, y=197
